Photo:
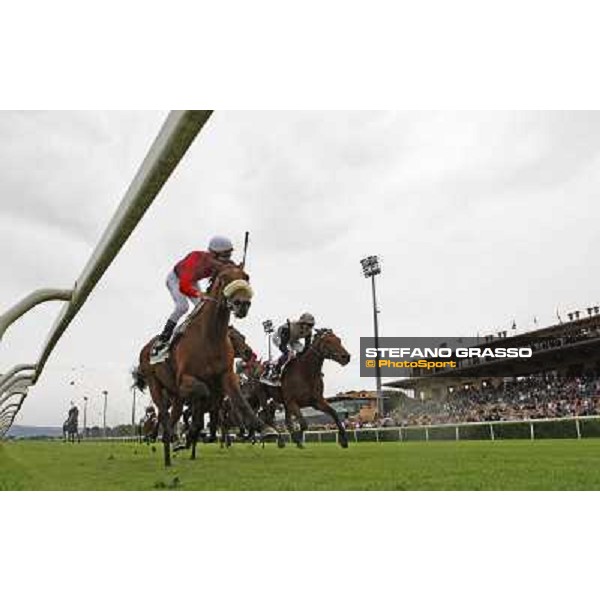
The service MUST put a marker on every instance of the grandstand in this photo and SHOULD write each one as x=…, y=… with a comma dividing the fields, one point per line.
x=561, y=379
x=567, y=350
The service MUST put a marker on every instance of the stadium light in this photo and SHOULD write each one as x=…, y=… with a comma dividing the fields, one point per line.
x=269, y=329
x=371, y=267
x=104, y=412
x=133, y=413
x=85, y=401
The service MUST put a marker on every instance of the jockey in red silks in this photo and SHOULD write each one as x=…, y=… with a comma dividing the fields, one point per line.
x=182, y=282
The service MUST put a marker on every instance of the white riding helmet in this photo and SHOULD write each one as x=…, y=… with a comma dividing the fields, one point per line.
x=219, y=244
x=307, y=318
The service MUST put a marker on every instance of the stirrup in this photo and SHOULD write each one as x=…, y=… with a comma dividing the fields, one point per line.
x=159, y=352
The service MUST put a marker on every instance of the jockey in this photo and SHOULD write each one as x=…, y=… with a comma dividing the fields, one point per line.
x=291, y=338
x=182, y=282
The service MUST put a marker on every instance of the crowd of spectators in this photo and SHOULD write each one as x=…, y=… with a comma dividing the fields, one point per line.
x=513, y=400
x=522, y=399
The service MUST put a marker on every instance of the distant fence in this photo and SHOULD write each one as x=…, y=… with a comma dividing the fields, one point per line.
x=535, y=429
x=565, y=428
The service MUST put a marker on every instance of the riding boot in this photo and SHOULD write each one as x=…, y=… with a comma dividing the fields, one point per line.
x=165, y=335
x=278, y=366
x=167, y=332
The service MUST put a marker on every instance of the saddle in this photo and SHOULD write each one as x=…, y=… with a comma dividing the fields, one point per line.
x=163, y=353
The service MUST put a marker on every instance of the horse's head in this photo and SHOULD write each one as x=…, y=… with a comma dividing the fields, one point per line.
x=329, y=346
x=230, y=286
x=238, y=341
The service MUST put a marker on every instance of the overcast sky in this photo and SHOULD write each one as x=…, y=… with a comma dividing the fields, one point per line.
x=479, y=217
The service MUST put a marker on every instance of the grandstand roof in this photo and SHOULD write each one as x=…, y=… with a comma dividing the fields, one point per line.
x=580, y=342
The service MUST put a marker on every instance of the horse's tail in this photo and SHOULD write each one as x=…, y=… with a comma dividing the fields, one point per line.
x=139, y=381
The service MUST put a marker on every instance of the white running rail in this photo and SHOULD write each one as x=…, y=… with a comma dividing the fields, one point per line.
x=172, y=142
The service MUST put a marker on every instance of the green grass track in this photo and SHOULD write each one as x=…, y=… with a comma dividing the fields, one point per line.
x=470, y=465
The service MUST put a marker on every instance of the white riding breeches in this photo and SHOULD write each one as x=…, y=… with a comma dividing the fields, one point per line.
x=182, y=302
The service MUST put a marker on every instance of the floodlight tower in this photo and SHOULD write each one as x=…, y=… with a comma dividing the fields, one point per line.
x=269, y=329
x=133, y=413
x=371, y=267
x=85, y=402
x=105, y=393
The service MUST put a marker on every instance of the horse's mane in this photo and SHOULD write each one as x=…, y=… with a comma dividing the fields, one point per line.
x=221, y=268
x=322, y=331
x=320, y=334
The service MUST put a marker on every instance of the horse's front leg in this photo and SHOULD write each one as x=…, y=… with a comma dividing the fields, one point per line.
x=224, y=423
x=325, y=407
x=176, y=412
x=297, y=434
x=195, y=427
x=161, y=403
x=196, y=393
x=212, y=428
x=240, y=405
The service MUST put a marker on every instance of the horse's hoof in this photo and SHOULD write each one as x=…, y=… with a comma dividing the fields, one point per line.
x=300, y=445
x=281, y=443
x=344, y=443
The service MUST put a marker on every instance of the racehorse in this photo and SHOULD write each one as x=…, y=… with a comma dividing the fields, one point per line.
x=221, y=416
x=71, y=426
x=227, y=416
x=148, y=428
x=199, y=368
x=302, y=384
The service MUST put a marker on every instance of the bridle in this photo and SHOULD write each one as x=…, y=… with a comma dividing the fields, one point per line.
x=319, y=334
x=227, y=292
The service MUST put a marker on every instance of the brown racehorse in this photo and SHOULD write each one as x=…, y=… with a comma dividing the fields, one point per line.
x=222, y=416
x=259, y=400
x=199, y=369
x=302, y=384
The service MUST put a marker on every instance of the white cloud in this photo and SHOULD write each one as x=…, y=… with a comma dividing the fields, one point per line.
x=479, y=218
